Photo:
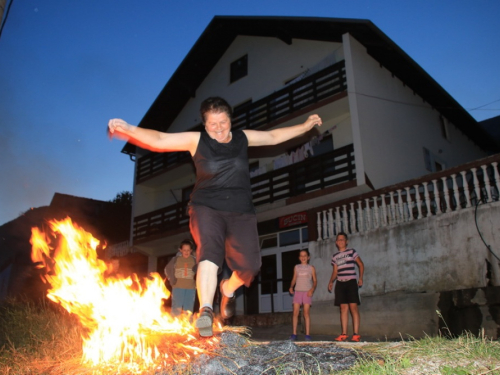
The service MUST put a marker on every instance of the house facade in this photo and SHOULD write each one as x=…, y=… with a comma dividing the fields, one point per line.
x=385, y=121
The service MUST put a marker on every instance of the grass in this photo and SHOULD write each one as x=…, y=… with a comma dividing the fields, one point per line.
x=44, y=339
x=466, y=354
x=37, y=338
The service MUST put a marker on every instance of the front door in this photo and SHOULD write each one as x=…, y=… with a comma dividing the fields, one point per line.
x=276, y=274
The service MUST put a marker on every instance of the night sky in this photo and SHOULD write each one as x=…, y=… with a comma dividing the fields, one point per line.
x=66, y=67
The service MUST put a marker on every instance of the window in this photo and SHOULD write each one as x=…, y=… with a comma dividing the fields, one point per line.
x=289, y=238
x=268, y=241
x=305, y=235
x=438, y=166
x=444, y=127
x=238, y=69
x=286, y=238
x=432, y=162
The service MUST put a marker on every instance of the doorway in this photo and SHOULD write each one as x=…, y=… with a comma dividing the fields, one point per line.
x=276, y=273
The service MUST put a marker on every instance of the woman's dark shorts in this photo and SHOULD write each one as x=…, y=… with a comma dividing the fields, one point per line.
x=226, y=235
x=347, y=292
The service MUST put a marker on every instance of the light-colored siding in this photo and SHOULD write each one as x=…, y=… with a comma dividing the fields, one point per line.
x=395, y=124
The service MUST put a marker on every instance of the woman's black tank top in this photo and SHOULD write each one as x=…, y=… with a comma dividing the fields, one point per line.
x=222, y=174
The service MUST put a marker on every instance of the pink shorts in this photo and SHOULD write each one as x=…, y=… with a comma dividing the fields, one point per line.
x=302, y=298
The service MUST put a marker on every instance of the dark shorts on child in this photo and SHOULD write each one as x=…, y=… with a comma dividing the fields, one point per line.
x=346, y=292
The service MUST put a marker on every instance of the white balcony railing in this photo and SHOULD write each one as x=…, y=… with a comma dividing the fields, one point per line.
x=450, y=190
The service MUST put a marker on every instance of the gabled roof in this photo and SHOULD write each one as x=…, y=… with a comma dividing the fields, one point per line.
x=222, y=31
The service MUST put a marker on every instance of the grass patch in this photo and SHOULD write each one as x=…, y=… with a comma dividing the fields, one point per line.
x=466, y=354
x=37, y=337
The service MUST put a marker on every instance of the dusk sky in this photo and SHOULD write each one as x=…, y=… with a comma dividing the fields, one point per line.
x=67, y=67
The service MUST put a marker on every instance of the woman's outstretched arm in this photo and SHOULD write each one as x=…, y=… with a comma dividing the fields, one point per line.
x=153, y=140
x=277, y=136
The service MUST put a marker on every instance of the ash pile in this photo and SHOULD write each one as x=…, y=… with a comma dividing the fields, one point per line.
x=239, y=356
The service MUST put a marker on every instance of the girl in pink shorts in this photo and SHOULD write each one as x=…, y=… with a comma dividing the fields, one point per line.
x=302, y=288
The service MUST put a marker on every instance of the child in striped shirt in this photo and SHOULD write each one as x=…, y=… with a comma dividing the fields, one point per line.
x=347, y=287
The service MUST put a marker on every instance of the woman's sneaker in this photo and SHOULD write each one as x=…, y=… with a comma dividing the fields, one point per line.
x=293, y=337
x=356, y=338
x=205, y=322
x=308, y=338
x=342, y=337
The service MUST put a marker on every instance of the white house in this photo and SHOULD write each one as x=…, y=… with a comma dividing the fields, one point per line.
x=385, y=121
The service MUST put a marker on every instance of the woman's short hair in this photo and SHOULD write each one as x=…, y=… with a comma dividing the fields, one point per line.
x=214, y=104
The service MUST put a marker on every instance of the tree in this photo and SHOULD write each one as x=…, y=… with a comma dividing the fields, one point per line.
x=124, y=198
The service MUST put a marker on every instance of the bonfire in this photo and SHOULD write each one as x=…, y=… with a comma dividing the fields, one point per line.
x=125, y=322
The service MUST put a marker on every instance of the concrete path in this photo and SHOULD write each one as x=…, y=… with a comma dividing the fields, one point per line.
x=283, y=332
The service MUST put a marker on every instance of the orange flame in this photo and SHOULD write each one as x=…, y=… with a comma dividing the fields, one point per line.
x=124, y=317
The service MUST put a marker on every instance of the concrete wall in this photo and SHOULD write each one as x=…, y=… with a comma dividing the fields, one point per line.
x=411, y=270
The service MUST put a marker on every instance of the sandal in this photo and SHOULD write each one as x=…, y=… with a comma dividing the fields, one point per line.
x=342, y=337
x=355, y=338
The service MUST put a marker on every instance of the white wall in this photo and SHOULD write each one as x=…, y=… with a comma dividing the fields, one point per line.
x=395, y=124
x=271, y=63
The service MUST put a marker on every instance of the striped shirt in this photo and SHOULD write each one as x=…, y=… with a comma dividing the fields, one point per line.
x=346, y=264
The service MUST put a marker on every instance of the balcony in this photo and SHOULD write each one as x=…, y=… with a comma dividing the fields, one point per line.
x=312, y=174
x=292, y=98
x=309, y=175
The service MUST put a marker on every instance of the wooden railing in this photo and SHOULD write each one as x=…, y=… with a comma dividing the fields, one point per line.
x=159, y=221
x=153, y=164
x=311, y=174
x=307, y=91
x=310, y=90
x=437, y=193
